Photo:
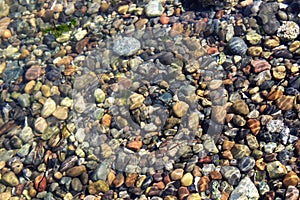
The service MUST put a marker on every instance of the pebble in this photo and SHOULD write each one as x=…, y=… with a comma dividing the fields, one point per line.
x=291, y=178
x=285, y=102
x=260, y=65
x=276, y=169
x=154, y=8
x=10, y=179
x=239, y=151
x=180, y=108
x=240, y=107
x=126, y=46
x=61, y=113
x=24, y=100
x=48, y=108
x=254, y=126
x=76, y=171
x=187, y=179
x=246, y=163
x=255, y=51
x=33, y=72
x=245, y=190
x=97, y=187
x=40, y=125
x=231, y=174
x=292, y=193
x=237, y=46
x=177, y=174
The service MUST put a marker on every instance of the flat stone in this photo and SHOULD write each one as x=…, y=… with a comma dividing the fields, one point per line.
x=245, y=190
x=119, y=180
x=126, y=46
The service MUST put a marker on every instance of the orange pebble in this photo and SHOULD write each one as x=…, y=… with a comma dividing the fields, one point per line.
x=212, y=50
x=6, y=34
x=164, y=19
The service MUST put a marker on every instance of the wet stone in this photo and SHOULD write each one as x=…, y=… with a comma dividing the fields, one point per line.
x=180, y=108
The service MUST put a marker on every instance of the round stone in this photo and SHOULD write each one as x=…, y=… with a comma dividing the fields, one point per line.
x=180, y=108
x=232, y=174
x=187, y=179
x=240, y=107
x=177, y=174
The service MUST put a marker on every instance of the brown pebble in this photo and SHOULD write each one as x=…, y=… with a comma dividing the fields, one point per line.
x=6, y=34
x=260, y=164
x=260, y=65
x=76, y=171
x=119, y=180
x=176, y=29
x=177, y=174
x=274, y=95
x=130, y=179
x=135, y=145
x=215, y=175
x=183, y=192
x=33, y=72
x=203, y=183
x=106, y=120
x=227, y=154
x=40, y=183
x=297, y=148
x=254, y=126
x=227, y=145
x=164, y=19
x=285, y=102
x=291, y=178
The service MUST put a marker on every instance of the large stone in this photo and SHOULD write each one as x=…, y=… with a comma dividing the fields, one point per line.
x=245, y=190
x=10, y=179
